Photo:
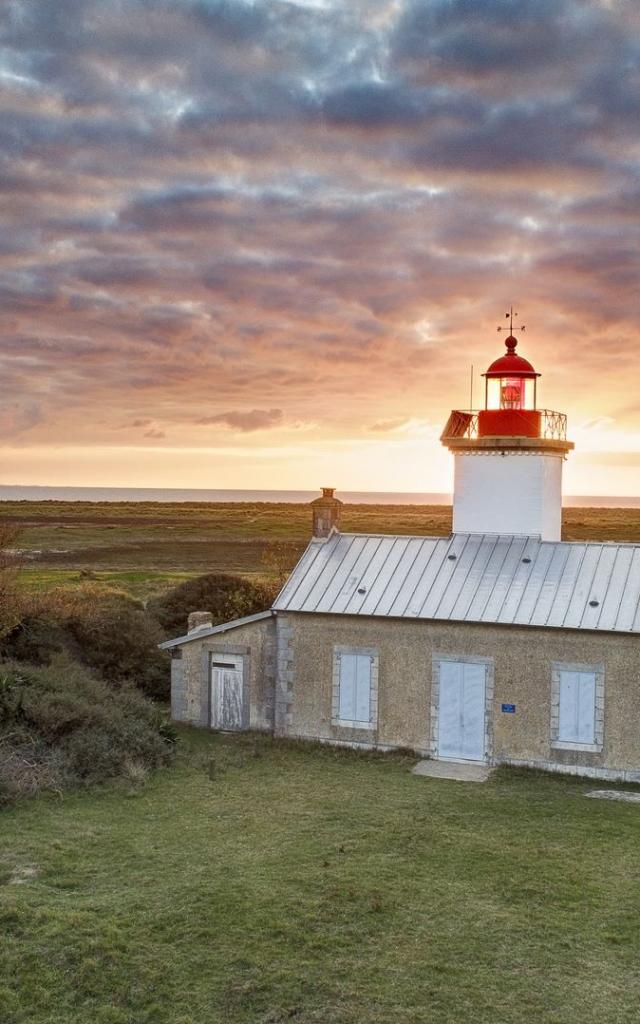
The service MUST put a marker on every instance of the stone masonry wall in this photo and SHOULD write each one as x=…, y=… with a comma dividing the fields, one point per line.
x=190, y=681
x=284, y=675
x=522, y=664
x=290, y=665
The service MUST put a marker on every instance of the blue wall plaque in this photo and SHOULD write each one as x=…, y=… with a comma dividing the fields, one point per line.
x=509, y=709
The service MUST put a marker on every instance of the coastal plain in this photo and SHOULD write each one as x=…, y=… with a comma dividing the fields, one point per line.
x=145, y=547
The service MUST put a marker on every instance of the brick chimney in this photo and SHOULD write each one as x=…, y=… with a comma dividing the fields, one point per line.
x=326, y=513
x=198, y=620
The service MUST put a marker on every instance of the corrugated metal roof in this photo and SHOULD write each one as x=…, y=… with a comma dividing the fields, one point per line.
x=204, y=631
x=470, y=578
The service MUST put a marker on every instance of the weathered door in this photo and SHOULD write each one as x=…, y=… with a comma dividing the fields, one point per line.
x=461, y=725
x=226, y=694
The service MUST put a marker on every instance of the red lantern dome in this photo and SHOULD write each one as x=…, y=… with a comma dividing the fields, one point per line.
x=511, y=365
x=510, y=406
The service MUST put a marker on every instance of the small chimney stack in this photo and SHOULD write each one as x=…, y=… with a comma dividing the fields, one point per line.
x=199, y=620
x=326, y=513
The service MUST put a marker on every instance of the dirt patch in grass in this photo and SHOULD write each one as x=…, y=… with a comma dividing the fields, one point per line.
x=21, y=874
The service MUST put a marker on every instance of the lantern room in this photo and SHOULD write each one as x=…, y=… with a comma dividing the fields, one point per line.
x=510, y=397
x=516, y=487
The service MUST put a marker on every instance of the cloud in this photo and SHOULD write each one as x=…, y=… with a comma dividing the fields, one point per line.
x=386, y=426
x=250, y=207
x=16, y=419
x=245, y=421
x=486, y=42
x=373, y=104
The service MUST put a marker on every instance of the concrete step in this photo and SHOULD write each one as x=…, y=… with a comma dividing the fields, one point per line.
x=615, y=794
x=457, y=771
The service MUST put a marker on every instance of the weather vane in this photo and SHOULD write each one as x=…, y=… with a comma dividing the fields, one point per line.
x=509, y=316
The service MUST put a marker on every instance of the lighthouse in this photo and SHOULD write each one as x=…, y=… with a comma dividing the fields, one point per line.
x=508, y=456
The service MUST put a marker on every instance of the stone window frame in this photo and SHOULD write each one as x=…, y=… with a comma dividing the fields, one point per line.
x=179, y=702
x=468, y=659
x=572, y=666
x=284, y=675
x=373, y=653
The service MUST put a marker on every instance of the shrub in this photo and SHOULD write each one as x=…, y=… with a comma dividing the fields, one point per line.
x=9, y=566
x=117, y=638
x=225, y=596
x=38, y=634
x=106, y=630
x=60, y=726
x=29, y=768
x=278, y=559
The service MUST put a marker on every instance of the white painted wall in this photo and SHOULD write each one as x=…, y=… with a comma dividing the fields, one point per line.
x=508, y=493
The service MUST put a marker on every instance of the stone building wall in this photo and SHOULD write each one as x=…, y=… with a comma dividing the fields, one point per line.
x=190, y=675
x=522, y=662
x=289, y=660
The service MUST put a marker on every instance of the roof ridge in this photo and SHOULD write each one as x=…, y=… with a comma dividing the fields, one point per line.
x=503, y=536
x=204, y=631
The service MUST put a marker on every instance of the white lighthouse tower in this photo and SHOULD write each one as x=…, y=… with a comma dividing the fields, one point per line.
x=509, y=455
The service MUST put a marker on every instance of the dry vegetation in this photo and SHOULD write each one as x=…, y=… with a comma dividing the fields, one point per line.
x=9, y=563
x=146, y=547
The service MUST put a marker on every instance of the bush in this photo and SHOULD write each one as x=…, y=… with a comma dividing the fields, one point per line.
x=106, y=630
x=37, y=636
x=9, y=566
x=60, y=726
x=117, y=638
x=29, y=768
x=226, y=597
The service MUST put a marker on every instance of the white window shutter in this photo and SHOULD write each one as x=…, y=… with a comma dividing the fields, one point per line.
x=348, y=677
x=587, y=708
x=363, y=688
x=568, y=717
x=355, y=688
x=577, y=717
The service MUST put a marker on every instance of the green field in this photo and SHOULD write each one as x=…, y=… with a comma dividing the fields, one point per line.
x=259, y=882
x=145, y=547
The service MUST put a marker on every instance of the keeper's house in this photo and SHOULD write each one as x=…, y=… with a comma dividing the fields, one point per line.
x=499, y=643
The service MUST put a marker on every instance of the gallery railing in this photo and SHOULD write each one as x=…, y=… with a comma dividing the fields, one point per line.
x=464, y=423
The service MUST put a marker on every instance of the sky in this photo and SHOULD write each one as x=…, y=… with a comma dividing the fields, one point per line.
x=261, y=244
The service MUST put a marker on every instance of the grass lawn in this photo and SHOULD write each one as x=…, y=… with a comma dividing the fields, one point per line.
x=138, y=583
x=260, y=881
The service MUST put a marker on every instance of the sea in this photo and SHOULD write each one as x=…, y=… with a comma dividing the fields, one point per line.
x=17, y=492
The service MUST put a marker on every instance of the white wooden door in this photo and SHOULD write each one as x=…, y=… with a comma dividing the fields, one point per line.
x=461, y=711
x=226, y=694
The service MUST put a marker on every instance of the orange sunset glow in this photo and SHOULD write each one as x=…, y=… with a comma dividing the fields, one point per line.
x=260, y=245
